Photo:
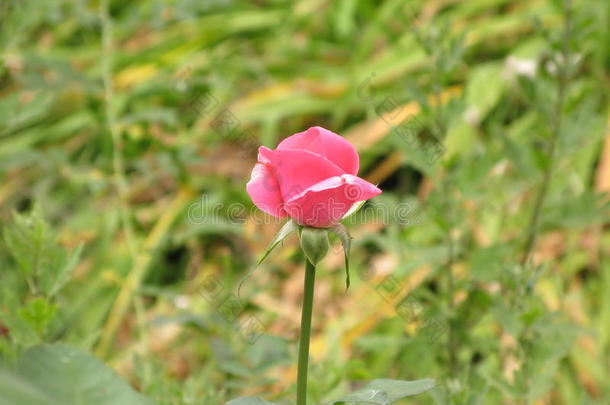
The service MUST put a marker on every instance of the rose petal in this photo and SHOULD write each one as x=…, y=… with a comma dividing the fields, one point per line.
x=297, y=170
x=325, y=203
x=264, y=190
x=326, y=143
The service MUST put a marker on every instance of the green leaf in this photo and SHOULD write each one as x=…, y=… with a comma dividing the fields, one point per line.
x=385, y=391
x=346, y=241
x=66, y=271
x=42, y=260
x=70, y=376
x=286, y=230
x=485, y=88
x=38, y=313
x=16, y=390
x=314, y=242
x=249, y=401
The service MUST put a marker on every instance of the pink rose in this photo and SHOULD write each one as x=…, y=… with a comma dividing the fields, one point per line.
x=310, y=177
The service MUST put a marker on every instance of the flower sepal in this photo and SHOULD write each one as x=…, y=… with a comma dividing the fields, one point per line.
x=346, y=241
x=286, y=230
x=314, y=242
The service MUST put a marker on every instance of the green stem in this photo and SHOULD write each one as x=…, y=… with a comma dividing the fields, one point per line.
x=118, y=164
x=452, y=342
x=310, y=276
x=556, y=128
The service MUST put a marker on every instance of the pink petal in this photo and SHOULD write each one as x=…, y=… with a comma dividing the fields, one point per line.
x=326, y=143
x=264, y=190
x=297, y=170
x=325, y=203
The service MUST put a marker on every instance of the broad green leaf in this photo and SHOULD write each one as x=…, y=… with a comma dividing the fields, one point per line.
x=16, y=390
x=249, y=401
x=346, y=241
x=70, y=376
x=386, y=391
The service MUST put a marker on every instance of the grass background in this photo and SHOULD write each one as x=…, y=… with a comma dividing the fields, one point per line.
x=123, y=193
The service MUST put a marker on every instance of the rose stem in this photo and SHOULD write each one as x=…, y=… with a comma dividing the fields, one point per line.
x=310, y=276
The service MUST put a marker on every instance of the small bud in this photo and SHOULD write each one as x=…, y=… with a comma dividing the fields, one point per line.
x=314, y=242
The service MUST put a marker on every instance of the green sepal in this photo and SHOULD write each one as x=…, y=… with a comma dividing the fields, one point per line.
x=346, y=240
x=354, y=209
x=314, y=242
x=286, y=230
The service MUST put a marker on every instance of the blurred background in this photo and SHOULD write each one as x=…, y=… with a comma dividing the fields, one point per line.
x=128, y=131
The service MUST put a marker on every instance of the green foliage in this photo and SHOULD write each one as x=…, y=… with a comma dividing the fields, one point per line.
x=60, y=374
x=249, y=401
x=17, y=390
x=42, y=261
x=386, y=392
x=38, y=313
x=377, y=392
x=459, y=111
x=42, y=268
